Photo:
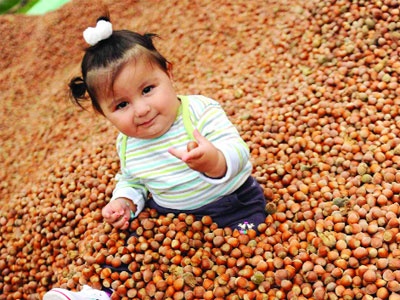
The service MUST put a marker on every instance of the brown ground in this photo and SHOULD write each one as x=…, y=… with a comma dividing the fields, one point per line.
x=311, y=85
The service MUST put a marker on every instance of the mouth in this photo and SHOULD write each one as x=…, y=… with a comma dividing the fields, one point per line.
x=147, y=123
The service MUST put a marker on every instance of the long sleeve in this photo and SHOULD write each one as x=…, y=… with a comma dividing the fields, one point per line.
x=217, y=128
x=127, y=186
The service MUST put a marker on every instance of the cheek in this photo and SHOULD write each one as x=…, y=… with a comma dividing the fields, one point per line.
x=124, y=121
x=119, y=121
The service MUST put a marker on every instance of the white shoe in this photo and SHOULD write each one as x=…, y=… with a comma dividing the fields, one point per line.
x=87, y=293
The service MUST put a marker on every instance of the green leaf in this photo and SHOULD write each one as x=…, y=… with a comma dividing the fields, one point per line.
x=27, y=7
x=6, y=5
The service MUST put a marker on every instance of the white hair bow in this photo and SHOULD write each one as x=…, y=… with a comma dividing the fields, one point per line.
x=102, y=31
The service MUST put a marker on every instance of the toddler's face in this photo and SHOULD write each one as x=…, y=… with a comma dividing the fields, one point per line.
x=144, y=103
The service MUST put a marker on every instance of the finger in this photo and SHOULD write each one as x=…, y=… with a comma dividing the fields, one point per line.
x=125, y=226
x=198, y=136
x=121, y=222
x=105, y=213
x=116, y=215
x=108, y=212
x=176, y=152
x=192, y=156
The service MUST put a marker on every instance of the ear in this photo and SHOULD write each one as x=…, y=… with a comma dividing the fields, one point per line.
x=169, y=71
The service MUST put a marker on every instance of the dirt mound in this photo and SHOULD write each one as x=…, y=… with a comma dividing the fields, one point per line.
x=312, y=86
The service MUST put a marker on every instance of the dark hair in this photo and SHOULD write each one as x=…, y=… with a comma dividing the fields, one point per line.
x=109, y=55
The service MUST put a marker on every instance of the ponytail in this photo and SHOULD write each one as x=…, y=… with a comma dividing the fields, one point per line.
x=78, y=90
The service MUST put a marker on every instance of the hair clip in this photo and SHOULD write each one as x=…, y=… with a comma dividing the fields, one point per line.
x=102, y=31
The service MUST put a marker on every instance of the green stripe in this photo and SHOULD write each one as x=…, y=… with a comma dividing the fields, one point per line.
x=152, y=173
x=123, y=151
x=133, y=185
x=186, y=117
x=149, y=151
x=209, y=115
x=185, y=195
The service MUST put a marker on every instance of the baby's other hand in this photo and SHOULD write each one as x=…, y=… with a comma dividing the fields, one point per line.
x=118, y=212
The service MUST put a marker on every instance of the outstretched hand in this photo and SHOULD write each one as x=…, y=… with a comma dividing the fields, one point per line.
x=205, y=158
x=118, y=212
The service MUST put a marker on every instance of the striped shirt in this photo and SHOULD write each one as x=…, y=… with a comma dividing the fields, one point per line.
x=147, y=166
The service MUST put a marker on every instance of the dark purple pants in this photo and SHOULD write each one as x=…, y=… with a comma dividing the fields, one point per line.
x=242, y=210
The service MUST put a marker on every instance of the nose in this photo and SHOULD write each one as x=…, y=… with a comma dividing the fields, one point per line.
x=141, y=108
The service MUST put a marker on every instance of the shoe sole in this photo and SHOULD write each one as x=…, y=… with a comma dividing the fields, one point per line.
x=55, y=295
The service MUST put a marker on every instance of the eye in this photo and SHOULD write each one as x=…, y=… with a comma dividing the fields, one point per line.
x=121, y=105
x=147, y=89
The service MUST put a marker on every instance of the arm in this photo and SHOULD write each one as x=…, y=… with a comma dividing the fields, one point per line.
x=126, y=203
x=221, y=153
x=128, y=196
